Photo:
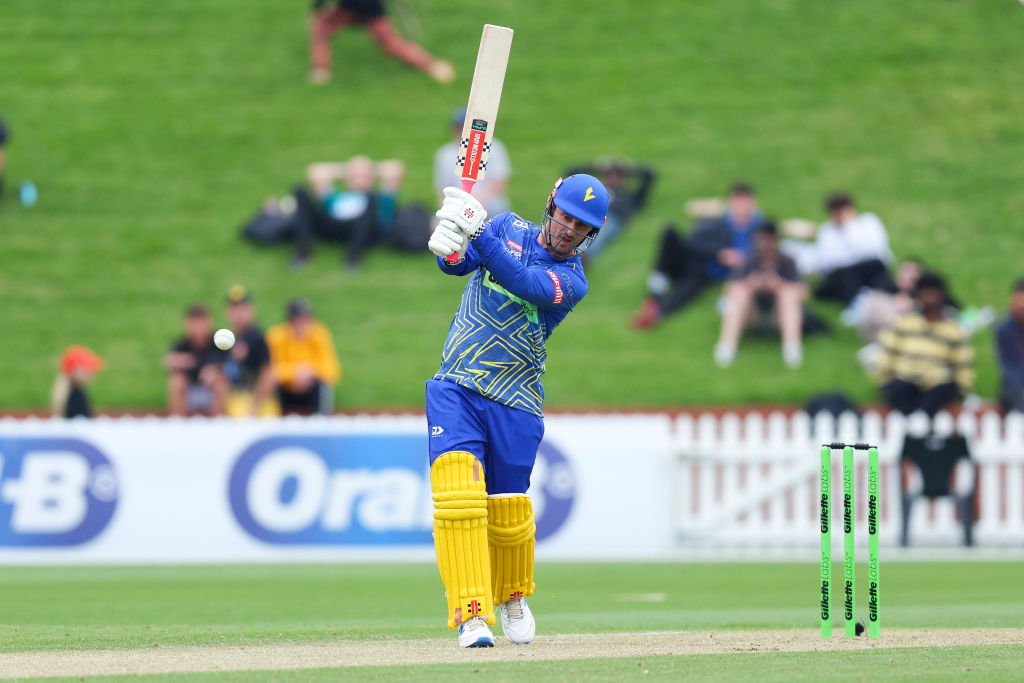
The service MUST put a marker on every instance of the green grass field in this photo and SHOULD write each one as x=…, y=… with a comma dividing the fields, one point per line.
x=154, y=130
x=54, y=610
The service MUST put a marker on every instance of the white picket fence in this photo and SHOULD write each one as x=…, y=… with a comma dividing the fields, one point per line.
x=752, y=481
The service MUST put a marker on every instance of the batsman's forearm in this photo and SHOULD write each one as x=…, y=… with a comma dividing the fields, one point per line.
x=532, y=285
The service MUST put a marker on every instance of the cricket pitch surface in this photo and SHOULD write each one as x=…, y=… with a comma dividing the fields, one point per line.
x=179, y=659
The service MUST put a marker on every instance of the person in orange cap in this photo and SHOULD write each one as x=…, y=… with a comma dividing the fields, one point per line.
x=78, y=365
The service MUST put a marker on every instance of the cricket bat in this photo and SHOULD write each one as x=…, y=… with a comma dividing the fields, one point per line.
x=482, y=108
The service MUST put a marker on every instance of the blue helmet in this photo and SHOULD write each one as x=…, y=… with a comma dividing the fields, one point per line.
x=583, y=197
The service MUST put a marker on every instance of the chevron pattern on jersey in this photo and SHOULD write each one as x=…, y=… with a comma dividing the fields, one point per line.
x=495, y=348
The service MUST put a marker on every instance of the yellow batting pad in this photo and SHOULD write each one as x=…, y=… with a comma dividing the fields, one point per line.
x=510, y=535
x=460, y=535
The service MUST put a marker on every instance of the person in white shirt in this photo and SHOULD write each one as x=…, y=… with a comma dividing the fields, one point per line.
x=492, y=191
x=852, y=252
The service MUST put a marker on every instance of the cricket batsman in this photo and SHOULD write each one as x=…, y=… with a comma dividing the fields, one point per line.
x=484, y=404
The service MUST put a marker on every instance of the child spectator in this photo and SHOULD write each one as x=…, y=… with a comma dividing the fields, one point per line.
x=628, y=185
x=248, y=364
x=196, y=384
x=766, y=285
x=358, y=215
x=492, y=191
x=329, y=17
x=1010, y=350
x=686, y=267
x=852, y=251
x=926, y=361
x=78, y=365
x=305, y=364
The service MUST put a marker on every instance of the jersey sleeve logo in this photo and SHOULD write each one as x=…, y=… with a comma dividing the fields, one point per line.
x=559, y=292
x=514, y=248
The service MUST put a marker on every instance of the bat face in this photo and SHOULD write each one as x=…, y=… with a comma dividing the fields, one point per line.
x=482, y=108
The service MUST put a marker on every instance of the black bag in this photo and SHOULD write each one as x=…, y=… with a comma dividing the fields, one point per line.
x=836, y=403
x=269, y=228
x=411, y=228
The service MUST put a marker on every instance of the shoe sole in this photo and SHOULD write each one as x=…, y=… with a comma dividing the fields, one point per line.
x=483, y=642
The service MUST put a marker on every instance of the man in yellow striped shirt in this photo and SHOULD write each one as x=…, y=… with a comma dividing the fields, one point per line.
x=304, y=361
x=926, y=360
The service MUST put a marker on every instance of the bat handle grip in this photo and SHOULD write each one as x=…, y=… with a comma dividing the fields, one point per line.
x=467, y=186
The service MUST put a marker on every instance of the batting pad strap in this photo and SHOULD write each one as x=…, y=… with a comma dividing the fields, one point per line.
x=510, y=534
x=460, y=505
x=460, y=535
x=508, y=537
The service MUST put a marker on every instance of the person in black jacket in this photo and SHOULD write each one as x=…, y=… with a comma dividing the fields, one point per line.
x=196, y=382
x=629, y=186
x=685, y=267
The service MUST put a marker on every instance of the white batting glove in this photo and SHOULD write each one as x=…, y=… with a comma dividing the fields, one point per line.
x=463, y=209
x=447, y=239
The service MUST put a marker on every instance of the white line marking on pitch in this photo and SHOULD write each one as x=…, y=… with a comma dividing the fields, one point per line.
x=641, y=597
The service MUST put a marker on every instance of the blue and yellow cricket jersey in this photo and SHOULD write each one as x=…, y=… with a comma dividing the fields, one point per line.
x=516, y=296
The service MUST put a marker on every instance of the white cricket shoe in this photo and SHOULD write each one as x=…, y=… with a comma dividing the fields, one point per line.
x=475, y=633
x=517, y=621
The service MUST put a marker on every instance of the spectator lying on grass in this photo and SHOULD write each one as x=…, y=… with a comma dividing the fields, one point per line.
x=685, y=267
x=629, y=186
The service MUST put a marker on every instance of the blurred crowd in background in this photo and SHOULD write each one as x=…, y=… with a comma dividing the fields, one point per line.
x=917, y=333
x=767, y=274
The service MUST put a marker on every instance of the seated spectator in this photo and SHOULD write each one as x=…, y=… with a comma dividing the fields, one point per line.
x=1010, y=350
x=330, y=16
x=78, y=365
x=492, y=191
x=852, y=252
x=874, y=309
x=358, y=216
x=685, y=267
x=197, y=385
x=926, y=360
x=248, y=364
x=628, y=186
x=304, y=362
x=767, y=285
